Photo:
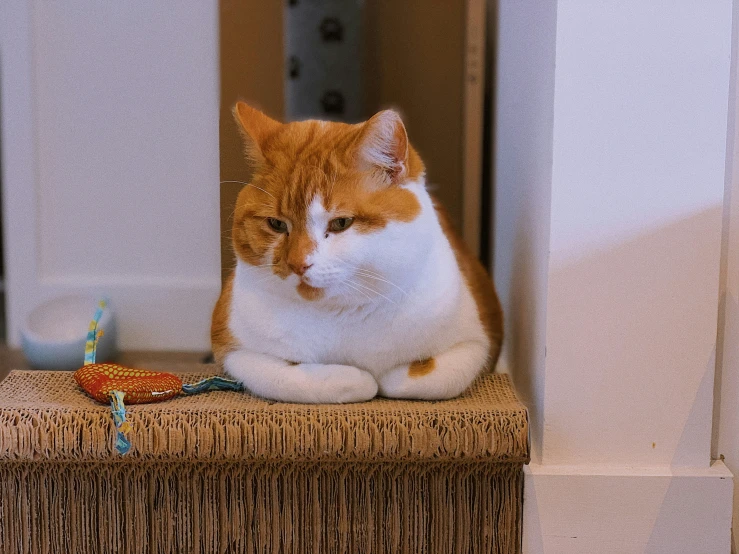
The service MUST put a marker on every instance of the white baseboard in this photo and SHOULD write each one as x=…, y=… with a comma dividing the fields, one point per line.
x=620, y=510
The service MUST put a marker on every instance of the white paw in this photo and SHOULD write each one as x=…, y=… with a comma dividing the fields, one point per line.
x=396, y=383
x=338, y=384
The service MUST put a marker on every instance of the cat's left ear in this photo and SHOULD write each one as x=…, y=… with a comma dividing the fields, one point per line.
x=255, y=128
x=383, y=147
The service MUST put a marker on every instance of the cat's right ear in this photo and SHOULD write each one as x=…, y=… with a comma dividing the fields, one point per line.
x=255, y=128
x=383, y=147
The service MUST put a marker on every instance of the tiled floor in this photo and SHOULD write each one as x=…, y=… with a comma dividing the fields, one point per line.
x=158, y=361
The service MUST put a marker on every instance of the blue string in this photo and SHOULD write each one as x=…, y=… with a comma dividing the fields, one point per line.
x=212, y=383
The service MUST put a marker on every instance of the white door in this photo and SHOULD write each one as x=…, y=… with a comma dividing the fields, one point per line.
x=110, y=162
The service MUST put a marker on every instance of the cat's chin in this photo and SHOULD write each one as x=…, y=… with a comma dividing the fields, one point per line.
x=308, y=292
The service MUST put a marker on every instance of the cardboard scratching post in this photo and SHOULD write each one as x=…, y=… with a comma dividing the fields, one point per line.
x=228, y=472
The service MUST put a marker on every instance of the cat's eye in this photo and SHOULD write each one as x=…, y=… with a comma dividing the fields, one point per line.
x=340, y=224
x=277, y=225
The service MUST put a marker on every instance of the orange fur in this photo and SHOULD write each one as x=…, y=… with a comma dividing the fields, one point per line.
x=222, y=340
x=421, y=367
x=309, y=293
x=295, y=162
x=480, y=285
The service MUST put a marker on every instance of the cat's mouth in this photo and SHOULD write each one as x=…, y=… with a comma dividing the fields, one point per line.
x=308, y=292
x=306, y=280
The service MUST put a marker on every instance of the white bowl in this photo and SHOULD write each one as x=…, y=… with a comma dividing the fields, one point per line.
x=56, y=331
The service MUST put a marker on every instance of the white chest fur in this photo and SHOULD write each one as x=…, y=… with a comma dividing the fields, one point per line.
x=422, y=306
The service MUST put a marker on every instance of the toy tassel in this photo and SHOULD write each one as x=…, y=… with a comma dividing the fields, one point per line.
x=122, y=444
x=93, y=335
x=89, y=376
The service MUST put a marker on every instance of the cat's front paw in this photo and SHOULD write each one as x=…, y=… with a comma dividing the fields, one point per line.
x=339, y=384
x=396, y=383
x=421, y=380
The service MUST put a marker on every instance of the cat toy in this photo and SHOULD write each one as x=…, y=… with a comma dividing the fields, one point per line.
x=114, y=384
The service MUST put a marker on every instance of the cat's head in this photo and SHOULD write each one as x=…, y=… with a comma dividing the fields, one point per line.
x=323, y=215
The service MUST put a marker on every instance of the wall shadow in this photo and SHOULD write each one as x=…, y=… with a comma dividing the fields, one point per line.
x=642, y=352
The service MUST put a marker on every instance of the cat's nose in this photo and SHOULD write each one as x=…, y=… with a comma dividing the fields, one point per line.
x=301, y=268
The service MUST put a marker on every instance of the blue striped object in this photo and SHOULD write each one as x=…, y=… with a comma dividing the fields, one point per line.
x=212, y=383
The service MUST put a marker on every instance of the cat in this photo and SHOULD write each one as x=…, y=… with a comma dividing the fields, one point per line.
x=349, y=280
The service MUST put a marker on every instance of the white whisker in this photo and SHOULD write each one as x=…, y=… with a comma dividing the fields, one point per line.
x=376, y=292
x=249, y=185
x=373, y=275
x=263, y=279
x=255, y=267
x=356, y=289
x=361, y=273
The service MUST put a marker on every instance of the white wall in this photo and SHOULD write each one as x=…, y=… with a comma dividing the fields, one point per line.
x=523, y=127
x=124, y=197
x=726, y=405
x=609, y=184
x=612, y=174
x=611, y=128
x=640, y=117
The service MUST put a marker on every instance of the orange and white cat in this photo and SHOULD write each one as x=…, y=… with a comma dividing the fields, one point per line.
x=349, y=279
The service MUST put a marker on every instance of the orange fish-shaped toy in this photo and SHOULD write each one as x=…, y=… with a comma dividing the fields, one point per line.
x=114, y=383
x=139, y=385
